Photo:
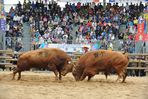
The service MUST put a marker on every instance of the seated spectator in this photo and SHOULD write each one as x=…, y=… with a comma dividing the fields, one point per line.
x=18, y=46
x=92, y=22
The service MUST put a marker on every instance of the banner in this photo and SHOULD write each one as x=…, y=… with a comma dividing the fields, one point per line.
x=141, y=28
x=111, y=0
x=145, y=37
x=70, y=47
x=75, y=1
x=96, y=1
x=3, y=24
x=127, y=1
x=141, y=35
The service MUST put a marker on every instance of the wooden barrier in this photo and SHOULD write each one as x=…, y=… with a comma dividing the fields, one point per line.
x=6, y=58
x=137, y=58
x=6, y=52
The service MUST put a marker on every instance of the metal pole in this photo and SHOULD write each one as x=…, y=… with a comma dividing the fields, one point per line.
x=104, y=3
x=4, y=41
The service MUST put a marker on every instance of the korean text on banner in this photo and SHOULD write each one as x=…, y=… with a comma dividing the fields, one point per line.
x=140, y=35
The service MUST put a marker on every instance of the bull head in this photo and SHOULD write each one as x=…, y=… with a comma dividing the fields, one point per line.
x=76, y=72
x=67, y=68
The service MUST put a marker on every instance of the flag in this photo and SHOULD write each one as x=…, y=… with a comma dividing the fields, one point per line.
x=2, y=24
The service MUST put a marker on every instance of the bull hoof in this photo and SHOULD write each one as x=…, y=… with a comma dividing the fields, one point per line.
x=118, y=80
x=88, y=80
x=56, y=79
x=59, y=81
x=18, y=79
x=123, y=82
x=13, y=78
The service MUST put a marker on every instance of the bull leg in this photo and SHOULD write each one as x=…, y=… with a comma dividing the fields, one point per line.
x=121, y=75
x=60, y=77
x=52, y=67
x=106, y=74
x=124, y=76
x=19, y=76
x=3, y=68
x=14, y=73
x=119, y=71
x=118, y=78
x=89, y=77
x=56, y=74
x=15, y=70
x=91, y=73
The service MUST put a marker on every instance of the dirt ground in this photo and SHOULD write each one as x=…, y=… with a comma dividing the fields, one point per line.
x=37, y=85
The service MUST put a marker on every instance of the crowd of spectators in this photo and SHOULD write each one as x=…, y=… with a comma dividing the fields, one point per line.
x=76, y=23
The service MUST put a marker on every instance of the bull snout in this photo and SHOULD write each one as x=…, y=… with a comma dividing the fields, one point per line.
x=68, y=68
x=77, y=79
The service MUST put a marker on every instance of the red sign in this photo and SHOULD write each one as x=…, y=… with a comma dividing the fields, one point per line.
x=145, y=37
x=141, y=28
x=141, y=36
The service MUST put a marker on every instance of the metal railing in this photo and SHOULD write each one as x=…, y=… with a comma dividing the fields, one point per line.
x=14, y=43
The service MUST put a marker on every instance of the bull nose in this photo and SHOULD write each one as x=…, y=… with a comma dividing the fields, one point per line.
x=76, y=79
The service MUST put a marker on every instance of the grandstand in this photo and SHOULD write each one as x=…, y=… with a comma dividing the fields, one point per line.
x=32, y=24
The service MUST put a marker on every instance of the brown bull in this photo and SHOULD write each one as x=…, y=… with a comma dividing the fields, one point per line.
x=52, y=58
x=105, y=61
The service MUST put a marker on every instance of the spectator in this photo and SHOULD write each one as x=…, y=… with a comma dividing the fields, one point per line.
x=18, y=46
x=92, y=22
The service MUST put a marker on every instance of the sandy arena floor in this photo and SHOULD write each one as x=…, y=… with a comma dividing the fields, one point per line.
x=43, y=86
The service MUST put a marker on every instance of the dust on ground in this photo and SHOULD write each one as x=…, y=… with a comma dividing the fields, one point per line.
x=42, y=85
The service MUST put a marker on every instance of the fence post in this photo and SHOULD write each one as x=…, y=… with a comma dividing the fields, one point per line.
x=139, y=47
x=146, y=69
x=26, y=37
x=1, y=40
x=4, y=41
